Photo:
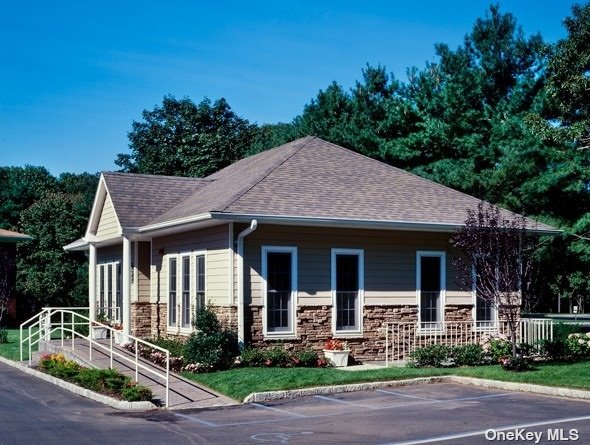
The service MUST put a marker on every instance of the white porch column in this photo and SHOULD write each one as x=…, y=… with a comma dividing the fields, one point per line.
x=126, y=286
x=92, y=282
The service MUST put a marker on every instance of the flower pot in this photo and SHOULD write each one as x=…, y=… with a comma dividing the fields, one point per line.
x=338, y=359
x=119, y=337
x=99, y=332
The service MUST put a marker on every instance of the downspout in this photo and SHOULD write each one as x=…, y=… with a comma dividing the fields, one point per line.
x=241, y=314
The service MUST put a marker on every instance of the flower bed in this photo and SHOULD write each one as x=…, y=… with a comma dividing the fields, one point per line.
x=104, y=381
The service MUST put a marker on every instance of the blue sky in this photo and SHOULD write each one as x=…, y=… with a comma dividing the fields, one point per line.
x=74, y=75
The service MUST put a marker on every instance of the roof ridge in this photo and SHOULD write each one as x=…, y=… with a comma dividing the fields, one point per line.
x=306, y=141
x=148, y=175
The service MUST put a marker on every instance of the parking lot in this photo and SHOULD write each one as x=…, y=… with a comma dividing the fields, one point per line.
x=34, y=411
x=437, y=413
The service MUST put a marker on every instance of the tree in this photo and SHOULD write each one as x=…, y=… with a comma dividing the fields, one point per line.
x=497, y=262
x=7, y=269
x=181, y=138
x=46, y=274
x=20, y=187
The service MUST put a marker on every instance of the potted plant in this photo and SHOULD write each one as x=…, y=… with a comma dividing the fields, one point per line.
x=99, y=327
x=119, y=336
x=336, y=352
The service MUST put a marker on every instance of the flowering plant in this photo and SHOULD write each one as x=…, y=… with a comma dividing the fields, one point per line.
x=335, y=345
x=118, y=327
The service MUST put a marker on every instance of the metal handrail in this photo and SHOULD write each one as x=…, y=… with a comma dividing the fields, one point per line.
x=45, y=329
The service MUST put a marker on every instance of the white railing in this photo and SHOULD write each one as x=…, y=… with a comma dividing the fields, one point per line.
x=70, y=324
x=403, y=338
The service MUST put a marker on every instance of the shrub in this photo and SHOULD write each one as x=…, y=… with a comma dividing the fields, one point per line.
x=434, y=355
x=174, y=345
x=104, y=381
x=58, y=366
x=136, y=393
x=578, y=345
x=307, y=358
x=468, y=355
x=3, y=335
x=518, y=364
x=561, y=330
x=279, y=357
x=253, y=357
x=210, y=347
x=556, y=349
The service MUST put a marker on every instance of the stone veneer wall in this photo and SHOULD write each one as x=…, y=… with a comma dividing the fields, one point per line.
x=459, y=312
x=314, y=327
x=148, y=320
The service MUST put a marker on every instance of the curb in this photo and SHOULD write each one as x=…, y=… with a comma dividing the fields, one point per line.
x=269, y=396
x=106, y=400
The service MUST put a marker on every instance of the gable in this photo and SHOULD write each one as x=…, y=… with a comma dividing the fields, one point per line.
x=108, y=224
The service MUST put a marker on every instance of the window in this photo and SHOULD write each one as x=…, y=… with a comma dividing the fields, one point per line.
x=279, y=277
x=186, y=292
x=347, y=289
x=110, y=301
x=172, y=274
x=430, y=289
x=200, y=274
x=186, y=289
x=485, y=313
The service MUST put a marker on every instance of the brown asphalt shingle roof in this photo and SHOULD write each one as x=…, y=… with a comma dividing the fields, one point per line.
x=308, y=177
x=139, y=198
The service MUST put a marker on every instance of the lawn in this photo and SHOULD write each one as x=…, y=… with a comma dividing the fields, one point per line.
x=11, y=350
x=239, y=383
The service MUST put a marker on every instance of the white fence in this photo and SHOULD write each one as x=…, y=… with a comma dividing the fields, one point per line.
x=403, y=338
x=65, y=325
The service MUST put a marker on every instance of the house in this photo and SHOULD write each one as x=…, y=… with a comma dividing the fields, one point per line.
x=299, y=243
x=8, y=304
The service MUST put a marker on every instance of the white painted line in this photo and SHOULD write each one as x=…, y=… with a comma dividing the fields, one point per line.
x=395, y=393
x=197, y=420
x=272, y=408
x=482, y=432
x=346, y=402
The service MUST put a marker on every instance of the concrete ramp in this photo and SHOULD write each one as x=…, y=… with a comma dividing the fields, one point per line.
x=184, y=394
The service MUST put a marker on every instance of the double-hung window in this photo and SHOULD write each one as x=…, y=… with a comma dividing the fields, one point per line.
x=186, y=289
x=347, y=290
x=279, y=287
x=485, y=311
x=430, y=289
x=110, y=300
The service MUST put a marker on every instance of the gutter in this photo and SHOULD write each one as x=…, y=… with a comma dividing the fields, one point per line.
x=240, y=242
x=315, y=221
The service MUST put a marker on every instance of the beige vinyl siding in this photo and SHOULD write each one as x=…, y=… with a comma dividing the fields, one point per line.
x=143, y=271
x=390, y=262
x=108, y=225
x=214, y=241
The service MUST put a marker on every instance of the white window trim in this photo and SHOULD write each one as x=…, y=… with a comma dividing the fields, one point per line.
x=264, y=286
x=178, y=328
x=361, y=297
x=443, y=285
x=494, y=320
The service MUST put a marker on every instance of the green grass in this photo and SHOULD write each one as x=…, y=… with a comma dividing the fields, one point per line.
x=11, y=350
x=239, y=383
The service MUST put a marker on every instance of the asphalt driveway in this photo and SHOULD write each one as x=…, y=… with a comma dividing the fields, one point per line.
x=33, y=411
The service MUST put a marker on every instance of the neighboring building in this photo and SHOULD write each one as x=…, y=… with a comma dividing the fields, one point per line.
x=300, y=243
x=8, y=240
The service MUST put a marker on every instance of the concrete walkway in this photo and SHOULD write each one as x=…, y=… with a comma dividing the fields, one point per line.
x=183, y=393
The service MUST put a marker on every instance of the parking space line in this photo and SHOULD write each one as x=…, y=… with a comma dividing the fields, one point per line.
x=482, y=432
x=406, y=395
x=282, y=411
x=346, y=402
x=197, y=420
